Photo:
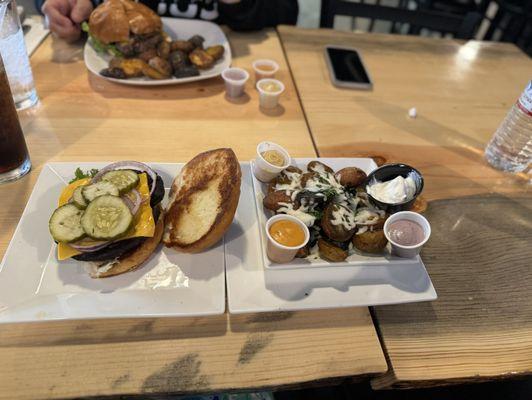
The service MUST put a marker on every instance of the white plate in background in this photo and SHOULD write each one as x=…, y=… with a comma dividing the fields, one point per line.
x=251, y=287
x=177, y=28
x=34, y=286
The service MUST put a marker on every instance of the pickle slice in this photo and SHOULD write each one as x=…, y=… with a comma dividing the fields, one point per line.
x=65, y=224
x=106, y=218
x=77, y=198
x=123, y=179
x=94, y=190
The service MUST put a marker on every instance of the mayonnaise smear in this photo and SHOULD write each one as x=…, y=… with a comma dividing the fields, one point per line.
x=395, y=191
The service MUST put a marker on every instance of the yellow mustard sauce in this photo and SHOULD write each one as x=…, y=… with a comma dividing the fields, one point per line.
x=273, y=157
x=270, y=87
x=287, y=233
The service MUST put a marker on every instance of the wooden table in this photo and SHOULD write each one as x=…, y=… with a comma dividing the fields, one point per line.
x=479, y=255
x=83, y=118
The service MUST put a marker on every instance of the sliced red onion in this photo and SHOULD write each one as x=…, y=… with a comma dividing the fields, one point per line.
x=133, y=199
x=133, y=165
x=95, y=246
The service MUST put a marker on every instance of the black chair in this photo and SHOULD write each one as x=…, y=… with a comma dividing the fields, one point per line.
x=460, y=26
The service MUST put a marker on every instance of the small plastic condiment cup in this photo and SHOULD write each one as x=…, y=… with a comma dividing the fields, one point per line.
x=262, y=169
x=278, y=252
x=399, y=249
x=261, y=73
x=235, y=81
x=269, y=99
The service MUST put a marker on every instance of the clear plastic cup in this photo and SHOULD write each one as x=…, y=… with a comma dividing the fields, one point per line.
x=276, y=251
x=235, y=81
x=399, y=249
x=262, y=169
x=265, y=69
x=269, y=92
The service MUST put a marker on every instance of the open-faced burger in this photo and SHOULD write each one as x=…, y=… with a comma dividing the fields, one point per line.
x=112, y=220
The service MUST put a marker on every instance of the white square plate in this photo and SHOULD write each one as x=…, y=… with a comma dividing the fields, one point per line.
x=35, y=286
x=252, y=287
x=177, y=28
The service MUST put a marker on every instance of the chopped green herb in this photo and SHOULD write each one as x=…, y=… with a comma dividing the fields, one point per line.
x=79, y=174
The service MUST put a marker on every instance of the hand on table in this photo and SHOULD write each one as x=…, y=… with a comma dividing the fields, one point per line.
x=65, y=17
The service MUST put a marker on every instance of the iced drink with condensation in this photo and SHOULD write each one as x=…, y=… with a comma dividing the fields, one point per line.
x=15, y=56
x=14, y=158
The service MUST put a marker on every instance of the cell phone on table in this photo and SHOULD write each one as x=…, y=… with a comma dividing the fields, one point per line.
x=346, y=68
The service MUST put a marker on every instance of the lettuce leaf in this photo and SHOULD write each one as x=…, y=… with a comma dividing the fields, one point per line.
x=99, y=46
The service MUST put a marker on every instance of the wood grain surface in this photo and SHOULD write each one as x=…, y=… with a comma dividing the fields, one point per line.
x=479, y=255
x=84, y=118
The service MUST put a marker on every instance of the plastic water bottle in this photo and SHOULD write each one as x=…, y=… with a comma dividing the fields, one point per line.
x=510, y=149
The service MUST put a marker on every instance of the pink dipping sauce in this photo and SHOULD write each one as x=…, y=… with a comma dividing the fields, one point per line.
x=406, y=233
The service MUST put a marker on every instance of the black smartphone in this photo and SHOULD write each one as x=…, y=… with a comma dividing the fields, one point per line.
x=346, y=68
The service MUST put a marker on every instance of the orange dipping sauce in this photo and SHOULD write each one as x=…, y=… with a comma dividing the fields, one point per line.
x=287, y=233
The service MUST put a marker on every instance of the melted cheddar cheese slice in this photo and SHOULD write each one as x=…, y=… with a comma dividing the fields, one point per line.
x=143, y=223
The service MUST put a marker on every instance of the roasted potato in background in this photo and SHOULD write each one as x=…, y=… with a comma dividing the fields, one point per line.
x=126, y=48
x=142, y=44
x=182, y=45
x=186, y=71
x=117, y=73
x=370, y=241
x=132, y=67
x=163, y=49
x=271, y=201
x=215, y=52
x=330, y=251
x=197, y=41
x=148, y=55
x=152, y=73
x=335, y=232
x=161, y=65
x=318, y=166
x=115, y=62
x=201, y=59
x=350, y=177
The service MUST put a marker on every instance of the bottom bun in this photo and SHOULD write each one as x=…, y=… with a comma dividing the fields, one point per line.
x=133, y=260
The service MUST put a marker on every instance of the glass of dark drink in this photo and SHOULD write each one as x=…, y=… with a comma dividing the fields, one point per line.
x=14, y=157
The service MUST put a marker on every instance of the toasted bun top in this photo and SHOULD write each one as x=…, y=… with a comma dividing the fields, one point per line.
x=203, y=201
x=114, y=20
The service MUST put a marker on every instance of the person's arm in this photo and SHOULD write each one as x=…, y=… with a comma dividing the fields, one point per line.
x=257, y=14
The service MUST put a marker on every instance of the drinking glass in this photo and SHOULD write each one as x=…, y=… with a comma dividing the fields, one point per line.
x=14, y=157
x=15, y=56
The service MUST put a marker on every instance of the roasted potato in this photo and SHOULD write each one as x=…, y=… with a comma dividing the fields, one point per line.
x=142, y=44
x=292, y=169
x=148, y=55
x=132, y=67
x=303, y=252
x=370, y=241
x=163, y=49
x=272, y=200
x=126, y=48
x=178, y=59
x=350, y=177
x=201, y=59
x=197, y=41
x=182, y=45
x=186, y=71
x=215, y=52
x=306, y=177
x=152, y=73
x=115, y=62
x=340, y=232
x=330, y=251
x=117, y=73
x=285, y=176
x=161, y=65
x=316, y=166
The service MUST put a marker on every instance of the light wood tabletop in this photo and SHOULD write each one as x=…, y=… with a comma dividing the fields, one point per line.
x=84, y=118
x=480, y=327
